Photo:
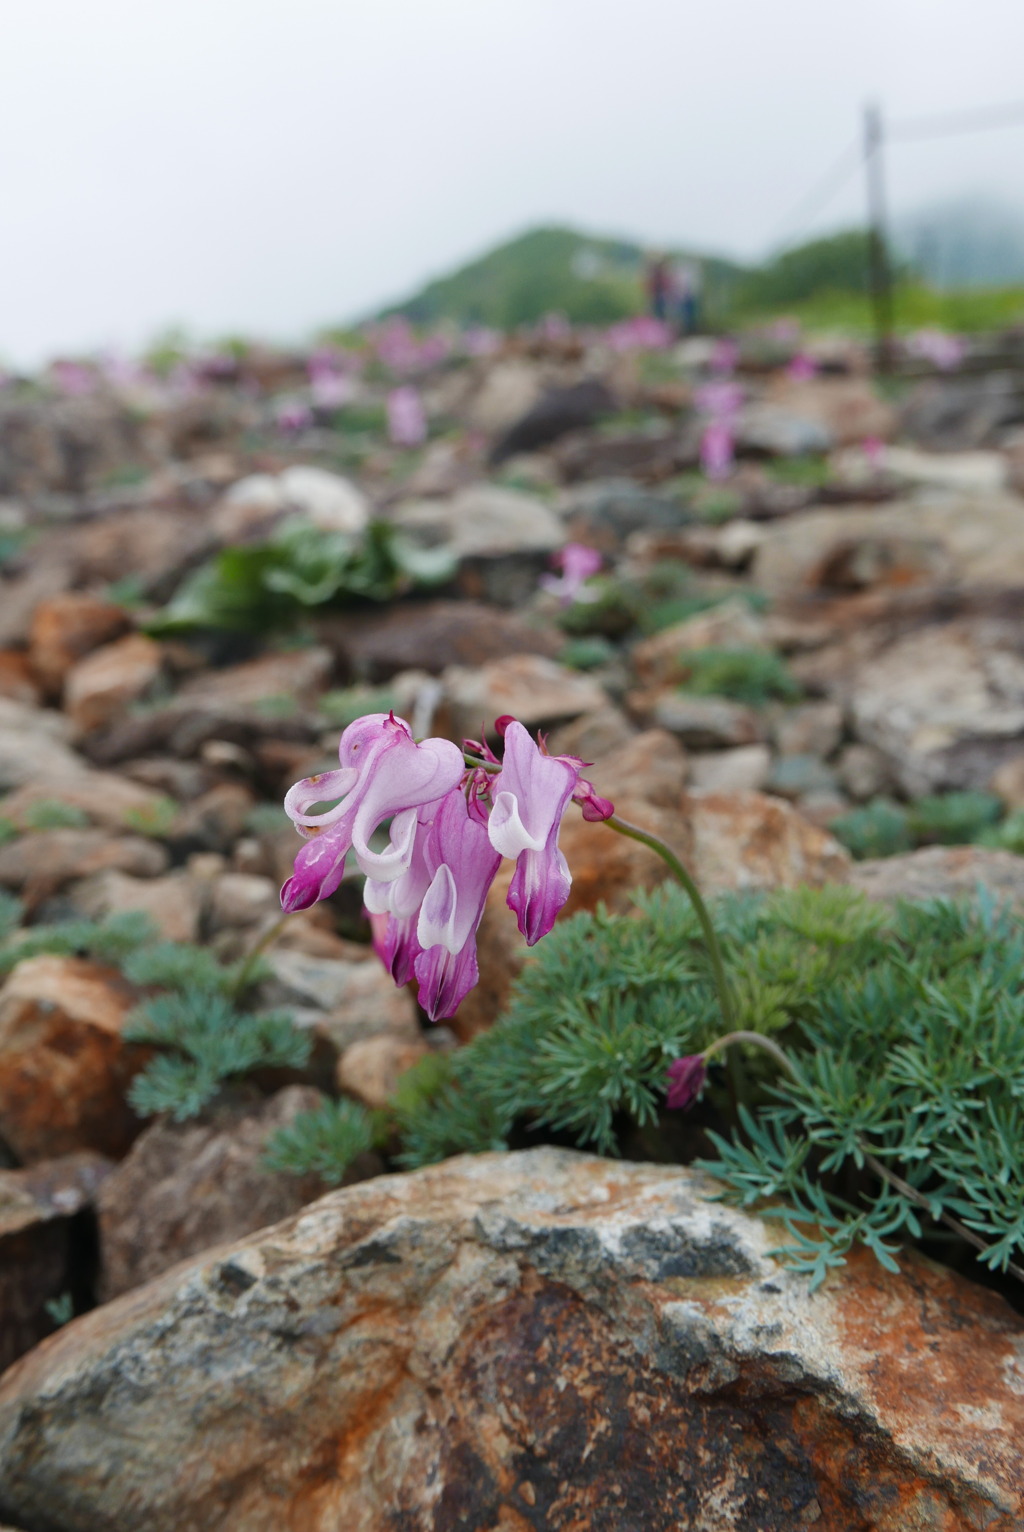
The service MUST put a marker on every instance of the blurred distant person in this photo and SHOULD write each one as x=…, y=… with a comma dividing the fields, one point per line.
x=688, y=287
x=659, y=283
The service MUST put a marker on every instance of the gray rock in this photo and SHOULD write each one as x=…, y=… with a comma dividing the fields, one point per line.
x=779, y=432
x=523, y=1340
x=938, y=537
x=793, y=776
x=535, y=690
x=186, y=1186
x=943, y=872
x=38, y=1246
x=345, y=1001
x=328, y=501
x=814, y=728
x=863, y=772
x=606, y=512
x=33, y=745
x=744, y=769
x=484, y=520
x=706, y=723
x=431, y=635
x=558, y=412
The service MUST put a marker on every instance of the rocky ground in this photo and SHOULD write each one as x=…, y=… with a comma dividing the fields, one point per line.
x=815, y=654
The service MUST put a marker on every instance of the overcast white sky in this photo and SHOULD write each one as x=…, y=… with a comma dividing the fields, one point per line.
x=242, y=165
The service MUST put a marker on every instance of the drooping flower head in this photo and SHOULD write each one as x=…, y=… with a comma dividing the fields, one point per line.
x=531, y=794
x=463, y=863
x=383, y=773
x=686, y=1081
x=426, y=890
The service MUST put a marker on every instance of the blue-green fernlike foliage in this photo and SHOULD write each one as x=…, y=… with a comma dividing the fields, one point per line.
x=324, y=1141
x=905, y=1026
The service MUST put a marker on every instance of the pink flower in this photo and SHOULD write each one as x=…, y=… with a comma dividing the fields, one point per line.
x=716, y=449
x=292, y=415
x=686, y=1081
x=383, y=773
x=330, y=386
x=478, y=340
x=463, y=863
x=874, y=453
x=943, y=350
x=407, y=420
x=642, y=333
x=719, y=399
x=426, y=890
x=725, y=355
x=577, y=563
x=396, y=345
x=531, y=794
x=802, y=368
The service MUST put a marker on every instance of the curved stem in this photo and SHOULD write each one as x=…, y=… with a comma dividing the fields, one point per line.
x=693, y=893
x=759, y=1040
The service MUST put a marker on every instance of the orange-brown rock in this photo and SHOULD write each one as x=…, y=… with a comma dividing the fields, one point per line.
x=371, y=1068
x=542, y=1340
x=64, y=1066
x=38, y=1247
x=17, y=678
x=65, y=628
x=103, y=684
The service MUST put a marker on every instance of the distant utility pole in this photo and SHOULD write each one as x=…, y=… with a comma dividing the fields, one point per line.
x=879, y=273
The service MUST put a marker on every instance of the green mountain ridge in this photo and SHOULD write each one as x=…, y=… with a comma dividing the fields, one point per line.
x=591, y=279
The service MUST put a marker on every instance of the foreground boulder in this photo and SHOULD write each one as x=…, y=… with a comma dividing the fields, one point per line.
x=534, y=1340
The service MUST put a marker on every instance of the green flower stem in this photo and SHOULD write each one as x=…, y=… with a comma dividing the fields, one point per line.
x=759, y=1041
x=254, y=954
x=682, y=877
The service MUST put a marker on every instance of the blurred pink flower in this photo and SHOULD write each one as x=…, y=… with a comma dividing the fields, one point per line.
x=943, y=350
x=717, y=455
x=407, y=420
x=577, y=563
x=292, y=416
x=641, y=333
x=802, y=368
x=874, y=453
x=719, y=399
x=726, y=355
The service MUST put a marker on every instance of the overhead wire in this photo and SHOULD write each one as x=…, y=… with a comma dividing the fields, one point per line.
x=820, y=194
x=1004, y=116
